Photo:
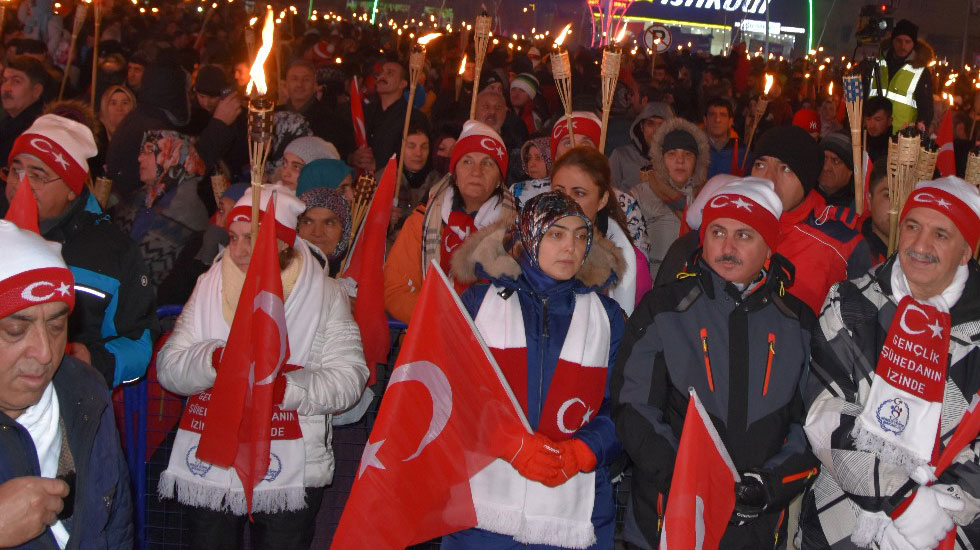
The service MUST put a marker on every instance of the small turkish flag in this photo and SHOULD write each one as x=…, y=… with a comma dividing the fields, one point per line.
x=702, y=490
x=367, y=268
x=946, y=161
x=238, y=429
x=23, y=208
x=445, y=401
x=357, y=114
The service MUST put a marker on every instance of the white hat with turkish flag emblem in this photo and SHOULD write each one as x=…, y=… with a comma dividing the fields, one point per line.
x=32, y=271
x=477, y=137
x=954, y=198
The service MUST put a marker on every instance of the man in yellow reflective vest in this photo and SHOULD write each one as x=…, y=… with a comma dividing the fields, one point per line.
x=903, y=77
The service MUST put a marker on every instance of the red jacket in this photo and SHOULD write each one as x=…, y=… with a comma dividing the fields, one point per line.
x=822, y=248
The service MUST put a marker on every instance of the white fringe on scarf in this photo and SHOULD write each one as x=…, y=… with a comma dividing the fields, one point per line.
x=288, y=499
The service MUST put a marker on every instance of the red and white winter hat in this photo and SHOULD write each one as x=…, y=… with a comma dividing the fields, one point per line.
x=952, y=197
x=288, y=210
x=33, y=271
x=752, y=201
x=477, y=137
x=584, y=123
x=62, y=144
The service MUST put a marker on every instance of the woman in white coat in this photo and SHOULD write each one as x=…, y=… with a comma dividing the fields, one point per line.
x=325, y=373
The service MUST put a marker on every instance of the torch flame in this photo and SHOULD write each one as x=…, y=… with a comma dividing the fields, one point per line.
x=256, y=73
x=561, y=37
x=429, y=37
x=251, y=22
x=768, y=84
x=830, y=89
x=462, y=66
x=621, y=35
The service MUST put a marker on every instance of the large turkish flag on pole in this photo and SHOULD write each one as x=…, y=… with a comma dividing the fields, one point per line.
x=946, y=161
x=702, y=490
x=238, y=429
x=445, y=401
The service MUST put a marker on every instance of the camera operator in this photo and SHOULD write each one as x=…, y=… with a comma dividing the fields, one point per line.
x=902, y=75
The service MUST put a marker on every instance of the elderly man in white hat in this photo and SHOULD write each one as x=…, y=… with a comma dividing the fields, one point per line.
x=114, y=325
x=895, y=367
x=63, y=478
x=728, y=329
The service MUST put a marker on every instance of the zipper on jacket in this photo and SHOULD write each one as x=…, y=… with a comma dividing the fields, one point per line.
x=772, y=351
x=779, y=524
x=707, y=360
x=660, y=512
x=541, y=347
x=802, y=475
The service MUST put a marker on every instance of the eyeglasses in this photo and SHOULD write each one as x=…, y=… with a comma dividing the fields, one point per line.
x=35, y=176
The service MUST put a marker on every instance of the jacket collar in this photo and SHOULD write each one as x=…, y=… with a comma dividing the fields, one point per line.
x=812, y=203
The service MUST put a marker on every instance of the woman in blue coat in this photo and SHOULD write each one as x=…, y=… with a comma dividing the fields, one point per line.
x=540, y=311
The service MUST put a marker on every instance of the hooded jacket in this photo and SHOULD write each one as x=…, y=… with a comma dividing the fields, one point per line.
x=663, y=223
x=627, y=160
x=752, y=388
x=547, y=307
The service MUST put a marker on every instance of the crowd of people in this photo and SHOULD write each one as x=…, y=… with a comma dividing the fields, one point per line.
x=678, y=259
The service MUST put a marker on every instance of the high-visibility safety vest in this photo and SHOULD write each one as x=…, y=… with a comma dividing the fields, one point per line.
x=900, y=89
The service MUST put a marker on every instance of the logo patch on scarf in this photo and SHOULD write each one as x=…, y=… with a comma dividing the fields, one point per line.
x=196, y=465
x=893, y=415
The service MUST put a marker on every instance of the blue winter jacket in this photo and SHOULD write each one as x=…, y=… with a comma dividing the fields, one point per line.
x=102, y=516
x=547, y=306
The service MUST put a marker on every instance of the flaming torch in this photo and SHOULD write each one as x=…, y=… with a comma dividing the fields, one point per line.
x=481, y=39
x=250, y=36
x=76, y=29
x=260, y=119
x=415, y=62
x=854, y=101
x=561, y=68
x=612, y=56
x=903, y=156
x=97, y=19
x=459, y=77
x=761, y=104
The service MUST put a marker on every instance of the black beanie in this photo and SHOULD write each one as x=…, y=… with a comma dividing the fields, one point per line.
x=907, y=28
x=839, y=143
x=795, y=148
x=680, y=139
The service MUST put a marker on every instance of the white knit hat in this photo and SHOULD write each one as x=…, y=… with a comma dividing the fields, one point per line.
x=288, y=210
x=62, y=144
x=310, y=148
x=711, y=187
x=480, y=138
x=32, y=271
x=752, y=201
x=954, y=198
x=527, y=82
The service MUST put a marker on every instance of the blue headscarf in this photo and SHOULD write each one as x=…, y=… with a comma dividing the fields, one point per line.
x=322, y=173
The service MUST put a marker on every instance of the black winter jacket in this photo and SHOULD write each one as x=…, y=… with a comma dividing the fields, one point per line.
x=102, y=515
x=747, y=358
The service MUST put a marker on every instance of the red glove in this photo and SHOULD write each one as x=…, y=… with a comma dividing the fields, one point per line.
x=216, y=357
x=576, y=457
x=279, y=389
x=538, y=459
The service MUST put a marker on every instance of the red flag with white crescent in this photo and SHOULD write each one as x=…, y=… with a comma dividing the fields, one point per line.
x=238, y=429
x=946, y=162
x=357, y=114
x=429, y=438
x=702, y=490
x=367, y=268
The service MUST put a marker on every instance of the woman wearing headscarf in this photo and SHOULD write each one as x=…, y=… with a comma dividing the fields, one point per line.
x=330, y=173
x=326, y=223
x=555, y=335
x=470, y=198
x=536, y=158
x=167, y=211
x=324, y=374
x=117, y=102
x=286, y=126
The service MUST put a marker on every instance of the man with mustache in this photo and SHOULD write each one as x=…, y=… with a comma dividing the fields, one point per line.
x=21, y=94
x=384, y=117
x=894, y=367
x=727, y=328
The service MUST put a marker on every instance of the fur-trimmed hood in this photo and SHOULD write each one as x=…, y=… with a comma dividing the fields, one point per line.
x=483, y=254
x=703, y=158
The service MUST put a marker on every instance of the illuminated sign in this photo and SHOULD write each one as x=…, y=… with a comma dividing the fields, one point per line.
x=747, y=6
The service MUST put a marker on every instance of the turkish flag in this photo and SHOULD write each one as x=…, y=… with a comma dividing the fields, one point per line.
x=238, y=429
x=357, y=115
x=702, y=490
x=445, y=401
x=367, y=268
x=946, y=162
x=23, y=207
